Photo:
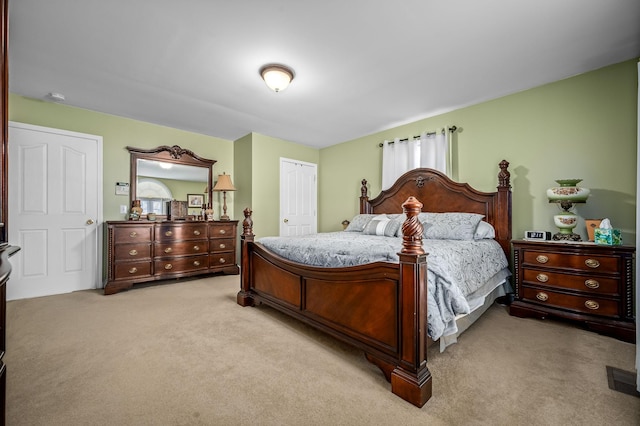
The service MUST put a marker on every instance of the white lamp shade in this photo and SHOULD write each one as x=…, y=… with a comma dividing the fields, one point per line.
x=277, y=77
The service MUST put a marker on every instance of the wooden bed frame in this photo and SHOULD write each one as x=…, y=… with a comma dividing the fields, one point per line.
x=380, y=308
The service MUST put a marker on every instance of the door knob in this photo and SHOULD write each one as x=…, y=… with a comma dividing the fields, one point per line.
x=90, y=222
x=286, y=221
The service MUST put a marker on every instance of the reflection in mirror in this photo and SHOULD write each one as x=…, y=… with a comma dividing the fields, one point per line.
x=168, y=173
x=159, y=182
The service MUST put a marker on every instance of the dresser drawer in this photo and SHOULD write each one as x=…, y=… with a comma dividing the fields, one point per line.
x=221, y=244
x=592, y=263
x=132, y=234
x=222, y=230
x=180, y=264
x=574, y=302
x=181, y=248
x=583, y=283
x=185, y=231
x=131, y=270
x=222, y=259
x=132, y=251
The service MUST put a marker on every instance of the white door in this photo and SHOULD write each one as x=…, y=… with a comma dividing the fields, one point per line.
x=298, y=197
x=55, y=211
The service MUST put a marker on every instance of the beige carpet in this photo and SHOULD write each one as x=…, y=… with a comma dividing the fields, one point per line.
x=187, y=354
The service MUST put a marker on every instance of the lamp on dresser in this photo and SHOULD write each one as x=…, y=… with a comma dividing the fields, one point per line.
x=223, y=185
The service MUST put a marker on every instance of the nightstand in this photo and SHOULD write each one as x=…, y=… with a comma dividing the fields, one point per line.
x=582, y=282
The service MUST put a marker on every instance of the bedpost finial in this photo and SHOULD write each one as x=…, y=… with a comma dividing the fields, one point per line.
x=504, y=176
x=363, y=188
x=412, y=228
x=247, y=223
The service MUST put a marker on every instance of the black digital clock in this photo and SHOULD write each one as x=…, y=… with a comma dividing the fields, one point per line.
x=537, y=235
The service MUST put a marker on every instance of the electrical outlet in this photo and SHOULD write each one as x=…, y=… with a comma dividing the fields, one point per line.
x=123, y=208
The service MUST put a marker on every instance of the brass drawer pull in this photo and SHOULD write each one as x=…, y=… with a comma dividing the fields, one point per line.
x=543, y=297
x=133, y=234
x=133, y=252
x=223, y=231
x=222, y=246
x=168, y=233
x=542, y=258
x=543, y=278
x=221, y=260
x=196, y=232
x=592, y=263
x=592, y=283
x=196, y=248
x=168, y=266
x=133, y=270
x=168, y=250
x=592, y=304
x=196, y=263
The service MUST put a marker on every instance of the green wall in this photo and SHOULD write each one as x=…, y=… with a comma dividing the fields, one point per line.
x=117, y=133
x=581, y=127
x=259, y=156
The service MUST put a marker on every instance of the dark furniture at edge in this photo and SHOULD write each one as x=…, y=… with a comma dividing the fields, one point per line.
x=589, y=284
x=380, y=307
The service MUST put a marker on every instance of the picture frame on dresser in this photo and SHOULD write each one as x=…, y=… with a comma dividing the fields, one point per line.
x=195, y=200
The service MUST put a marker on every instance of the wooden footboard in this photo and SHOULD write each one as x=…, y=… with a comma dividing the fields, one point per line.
x=380, y=308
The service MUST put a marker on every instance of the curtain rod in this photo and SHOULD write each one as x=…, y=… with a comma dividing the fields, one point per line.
x=451, y=129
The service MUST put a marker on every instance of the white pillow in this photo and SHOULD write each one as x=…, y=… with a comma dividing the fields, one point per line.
x=383, y=226
x=450, y=226
x=484, y=231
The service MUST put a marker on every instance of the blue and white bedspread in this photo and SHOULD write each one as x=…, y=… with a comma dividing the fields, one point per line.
x=461, y=273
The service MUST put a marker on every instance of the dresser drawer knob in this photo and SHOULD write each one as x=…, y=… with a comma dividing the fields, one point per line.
x=196, y=248
x=133, y=270
x=168, y=266
x=196, y=232
x=196, y=263
x=592, y=263
x=592, y=283
x=542, y=258
x=168, y=250
x=543, y=297
x=222, y=231
x=543, y=278
x=222, y=260
x=592, y=304
x=133, y=252
x=222, y=246
x=168, y=233
x=133, y=234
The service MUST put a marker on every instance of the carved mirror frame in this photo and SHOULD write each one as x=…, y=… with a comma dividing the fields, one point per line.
x=168, y=154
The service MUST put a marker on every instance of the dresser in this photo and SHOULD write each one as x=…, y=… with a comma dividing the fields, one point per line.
x=582, y=282
x=143, y=251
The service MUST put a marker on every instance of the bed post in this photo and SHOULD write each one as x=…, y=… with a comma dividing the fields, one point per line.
x=365, y=207
x=411, y=379
x=503, y=208
x=244, y=297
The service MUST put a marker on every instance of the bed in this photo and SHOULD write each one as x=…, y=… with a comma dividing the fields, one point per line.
x=379, y=307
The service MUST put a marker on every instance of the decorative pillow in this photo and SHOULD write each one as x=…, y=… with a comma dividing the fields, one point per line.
x=450, y=226
x=484, y=231
x=359, y=221
x=386, y=227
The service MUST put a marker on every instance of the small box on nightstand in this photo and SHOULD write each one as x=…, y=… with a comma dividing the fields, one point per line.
x=609, y=237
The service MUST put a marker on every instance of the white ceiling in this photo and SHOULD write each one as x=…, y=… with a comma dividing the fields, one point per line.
x=361, y=66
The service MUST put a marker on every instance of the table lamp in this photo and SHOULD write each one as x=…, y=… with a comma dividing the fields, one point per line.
x=223, y=185
x=566, y=196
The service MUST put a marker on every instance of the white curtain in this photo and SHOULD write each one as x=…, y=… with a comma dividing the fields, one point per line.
x=398, y=157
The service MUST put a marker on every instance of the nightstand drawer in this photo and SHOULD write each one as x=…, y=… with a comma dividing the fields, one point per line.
x=583, y=304
x=592, y=263
x=582, y=283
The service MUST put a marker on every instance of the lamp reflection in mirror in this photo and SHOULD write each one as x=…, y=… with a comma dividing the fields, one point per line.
x=223, y=185
x=277, y=77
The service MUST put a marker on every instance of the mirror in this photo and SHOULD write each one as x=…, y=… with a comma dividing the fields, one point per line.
x=168, y=173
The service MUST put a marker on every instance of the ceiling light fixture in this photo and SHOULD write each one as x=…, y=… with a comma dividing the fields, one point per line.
x=276, y=76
